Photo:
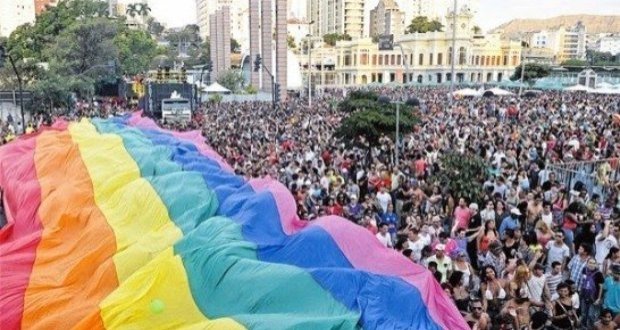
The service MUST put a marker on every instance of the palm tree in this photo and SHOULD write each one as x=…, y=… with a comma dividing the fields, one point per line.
x=132, y=10
x=144, y=9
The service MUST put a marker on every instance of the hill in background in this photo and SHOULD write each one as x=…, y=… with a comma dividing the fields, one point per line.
x=594, y=24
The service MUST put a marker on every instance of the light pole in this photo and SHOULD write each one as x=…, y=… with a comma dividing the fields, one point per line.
x=308, y=45
x=410, y=102
x=524, y=44
x=20, y=84
x=453, y=53
x=257, y=65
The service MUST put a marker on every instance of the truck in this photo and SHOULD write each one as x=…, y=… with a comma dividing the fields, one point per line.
x=156, y=93
x=176, y=109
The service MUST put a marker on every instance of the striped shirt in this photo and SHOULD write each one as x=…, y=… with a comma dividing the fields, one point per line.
x=553, y=281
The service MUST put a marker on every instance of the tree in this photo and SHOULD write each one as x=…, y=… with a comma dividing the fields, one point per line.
x=231, y=79
x=533, y=72
x=235, y=47
x=290, y=42
x=369, y=119
x=136, y=50
x=132, y=10
x=144, y=9
x=462, y=174
x=85, y=48
x=332, y=38
x=574, y=62
x=421, y=24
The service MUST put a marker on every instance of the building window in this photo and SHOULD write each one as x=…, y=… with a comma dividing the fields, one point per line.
x=364, y=59
x=505, y=60
x=430, y=59
x=374, y=59
x=462, y=56
x=393, y=60
x=398, y=60
x=380, y=59
x=440, y=59
x=421, y=59
x=477, y=60
x=514, y=60
x=450, y=56
x=420, y=78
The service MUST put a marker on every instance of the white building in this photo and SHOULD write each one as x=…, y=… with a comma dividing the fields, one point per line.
x=337, y=16
x=239, y=13
x=14, y=13
x=609, y=44
x=387, y=18
x=298, y=29
x=565, y=43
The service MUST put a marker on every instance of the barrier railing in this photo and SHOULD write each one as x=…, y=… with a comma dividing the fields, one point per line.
x=598, y=177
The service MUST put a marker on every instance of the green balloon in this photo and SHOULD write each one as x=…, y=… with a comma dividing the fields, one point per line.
x=157, y=306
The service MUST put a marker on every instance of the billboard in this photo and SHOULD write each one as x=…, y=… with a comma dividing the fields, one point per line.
x=386, y=42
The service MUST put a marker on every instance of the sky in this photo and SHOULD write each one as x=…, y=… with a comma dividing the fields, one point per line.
x=491, y=12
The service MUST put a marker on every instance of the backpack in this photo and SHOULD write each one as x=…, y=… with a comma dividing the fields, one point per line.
x=589, y=289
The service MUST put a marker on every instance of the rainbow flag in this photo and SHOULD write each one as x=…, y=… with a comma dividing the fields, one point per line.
x=118, y=224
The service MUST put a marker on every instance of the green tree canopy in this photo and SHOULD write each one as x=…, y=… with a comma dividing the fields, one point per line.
x=136, y=49
x=332, y=38
x=369, y=119
x=421, y=24
x=461, y=174
x=231, y=79
x=533, y=72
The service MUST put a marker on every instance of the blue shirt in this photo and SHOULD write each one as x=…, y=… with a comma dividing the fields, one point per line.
x=508, y=223
x=391, y=220
x=612, y=294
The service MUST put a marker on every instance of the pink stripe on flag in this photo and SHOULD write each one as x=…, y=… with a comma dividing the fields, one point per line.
x=284, y=201
x=365, y=252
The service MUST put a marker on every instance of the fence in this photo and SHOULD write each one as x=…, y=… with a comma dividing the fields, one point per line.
x=590, y=174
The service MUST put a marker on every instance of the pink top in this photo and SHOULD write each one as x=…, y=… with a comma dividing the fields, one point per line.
x=462, y=215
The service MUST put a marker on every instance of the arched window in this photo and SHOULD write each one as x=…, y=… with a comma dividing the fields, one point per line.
x=462, y=56
x=440, y=59
x=450, y=56
x=421, y=59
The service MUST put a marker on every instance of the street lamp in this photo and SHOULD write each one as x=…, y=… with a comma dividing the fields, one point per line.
x=453, y=53
x=309, y=47
x=524, y=44
x=412, y=102
x=257, y=66
x=208, y=67
x=4, y=55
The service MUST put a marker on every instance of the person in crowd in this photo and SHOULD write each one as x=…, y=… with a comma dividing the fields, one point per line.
x=605, y=321
x=477, y=318
x=564, y=313
x=557, y=250
x=443, y=262
x=591, y=292
x=384, y=236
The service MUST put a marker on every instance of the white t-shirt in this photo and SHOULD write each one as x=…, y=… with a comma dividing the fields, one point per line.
x=385, y=240
x=603, y=247
x=556, y=253
x=443, y=266
x=384, y=199
x=416, y=248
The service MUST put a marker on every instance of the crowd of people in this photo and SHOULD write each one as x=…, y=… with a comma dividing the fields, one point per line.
x=534, y=252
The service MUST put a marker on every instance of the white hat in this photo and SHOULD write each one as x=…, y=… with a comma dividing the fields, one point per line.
x=440, y=247
x=515, y=211
x=473, y=206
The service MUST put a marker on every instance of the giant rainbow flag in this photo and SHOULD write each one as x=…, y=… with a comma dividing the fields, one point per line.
x=118, y=224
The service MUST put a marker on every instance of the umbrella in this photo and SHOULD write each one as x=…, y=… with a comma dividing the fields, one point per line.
x=498, y=92
x=577, y=88
x=531, y=93
x=466, y=92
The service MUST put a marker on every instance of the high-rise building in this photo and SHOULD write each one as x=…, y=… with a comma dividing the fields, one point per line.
x=337, y=16
x=41, y=5
x=15, y=13
x=387, y=18
x=565, y=43
x=239, y=11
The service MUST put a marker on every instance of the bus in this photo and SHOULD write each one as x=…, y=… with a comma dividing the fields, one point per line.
x=176, y=110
